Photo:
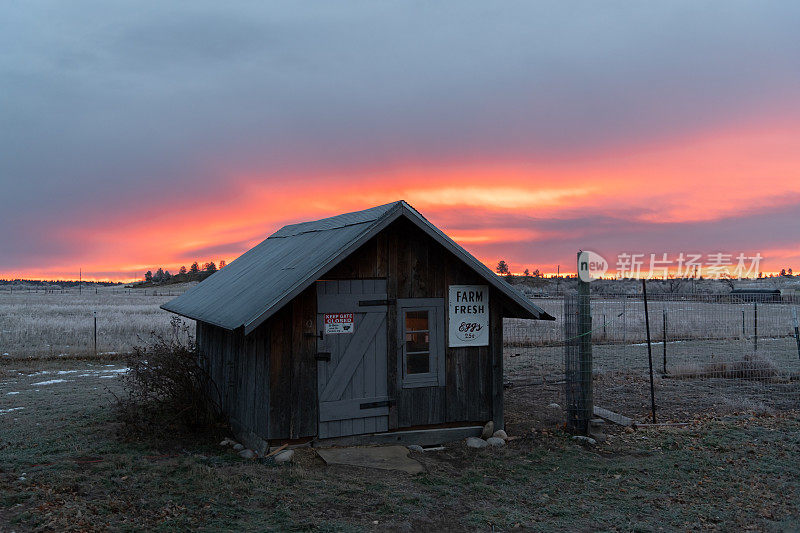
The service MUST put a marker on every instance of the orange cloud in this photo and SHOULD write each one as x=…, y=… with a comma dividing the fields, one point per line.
x=750, y=168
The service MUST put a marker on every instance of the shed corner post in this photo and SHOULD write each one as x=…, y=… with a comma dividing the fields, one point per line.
x=496, y=321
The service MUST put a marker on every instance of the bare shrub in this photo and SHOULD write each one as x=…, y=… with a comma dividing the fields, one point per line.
x=167, y=387
x=751, y=367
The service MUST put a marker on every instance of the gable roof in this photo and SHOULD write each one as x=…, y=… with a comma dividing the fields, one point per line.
x=261, y=281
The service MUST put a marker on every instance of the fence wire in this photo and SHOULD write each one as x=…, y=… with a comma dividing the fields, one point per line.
x=710, y=355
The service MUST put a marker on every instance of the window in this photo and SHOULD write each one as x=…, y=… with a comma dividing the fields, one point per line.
x=418, y=342
x=421, y=330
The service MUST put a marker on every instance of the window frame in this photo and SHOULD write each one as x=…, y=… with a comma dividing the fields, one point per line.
x=436, y=345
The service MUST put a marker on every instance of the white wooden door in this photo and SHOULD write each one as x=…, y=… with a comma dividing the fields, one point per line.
x=352, y=377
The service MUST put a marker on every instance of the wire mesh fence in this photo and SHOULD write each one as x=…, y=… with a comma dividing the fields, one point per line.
x=711, y=354
x=59, y=324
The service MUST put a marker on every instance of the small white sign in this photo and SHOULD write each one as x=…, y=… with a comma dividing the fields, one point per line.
x=591, y=266
x=468, y=315
x=336, y=323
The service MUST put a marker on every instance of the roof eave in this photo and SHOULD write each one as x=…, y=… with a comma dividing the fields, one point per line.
x=197, y=318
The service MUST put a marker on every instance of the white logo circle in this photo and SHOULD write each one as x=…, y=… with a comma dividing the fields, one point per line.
x=591, y=266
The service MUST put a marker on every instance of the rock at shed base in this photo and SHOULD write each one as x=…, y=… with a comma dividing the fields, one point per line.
x=415, y=448
x=495, y=441
x=475, y=442
x=500, y=434
x=225, y=442
x=247, y=454
x=238, y=447
x=599, y=437
x=585, y=440
x=554, y=406
x=488, y=429
x=283, y=457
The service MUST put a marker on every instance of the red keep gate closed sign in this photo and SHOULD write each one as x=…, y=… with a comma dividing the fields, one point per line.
x=336, y=323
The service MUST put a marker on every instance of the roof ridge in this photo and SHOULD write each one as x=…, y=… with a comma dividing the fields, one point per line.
x=254, y=286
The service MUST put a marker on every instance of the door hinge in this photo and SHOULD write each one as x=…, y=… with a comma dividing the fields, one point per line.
x=371, y=303
x=371, y=405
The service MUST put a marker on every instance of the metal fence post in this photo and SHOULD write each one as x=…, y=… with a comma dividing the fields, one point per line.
x=744, y=332
x=796, y=330
x=664, y=317
x=95, y=333
x=649, y=350
x=755, y=326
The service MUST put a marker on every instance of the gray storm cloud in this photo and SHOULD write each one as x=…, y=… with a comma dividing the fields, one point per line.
x=101, y=103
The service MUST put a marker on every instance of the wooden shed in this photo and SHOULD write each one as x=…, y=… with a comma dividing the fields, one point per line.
x=368, y=323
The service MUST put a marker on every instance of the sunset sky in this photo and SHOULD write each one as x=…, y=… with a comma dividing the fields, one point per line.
x=150, y=134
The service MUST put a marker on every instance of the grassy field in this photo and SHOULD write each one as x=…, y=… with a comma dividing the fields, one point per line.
x=61, y=324
x=64, y=466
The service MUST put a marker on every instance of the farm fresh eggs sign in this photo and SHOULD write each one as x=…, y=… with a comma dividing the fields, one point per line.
x=468, y=315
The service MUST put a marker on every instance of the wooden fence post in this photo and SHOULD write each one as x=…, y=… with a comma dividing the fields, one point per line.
x=578, y=358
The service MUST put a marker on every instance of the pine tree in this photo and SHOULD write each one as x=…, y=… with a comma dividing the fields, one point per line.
x=502, y=268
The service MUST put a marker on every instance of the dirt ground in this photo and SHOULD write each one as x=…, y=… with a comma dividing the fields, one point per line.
x=534, y=378
x=64, y=466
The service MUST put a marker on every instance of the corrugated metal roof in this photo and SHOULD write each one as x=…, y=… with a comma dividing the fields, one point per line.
x=258, y=283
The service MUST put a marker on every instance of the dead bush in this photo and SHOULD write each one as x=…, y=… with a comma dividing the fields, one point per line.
x=166, y=387
x=750, y=367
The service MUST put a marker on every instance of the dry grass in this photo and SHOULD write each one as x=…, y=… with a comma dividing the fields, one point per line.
x=44, y=325
x=751, y=366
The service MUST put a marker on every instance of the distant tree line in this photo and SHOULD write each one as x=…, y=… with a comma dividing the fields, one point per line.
x=504, y=270
x=194, y=273
x=60, y=283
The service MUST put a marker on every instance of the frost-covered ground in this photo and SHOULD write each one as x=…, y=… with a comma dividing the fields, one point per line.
x=64, y=466
x=37, y=324
x=22, y=388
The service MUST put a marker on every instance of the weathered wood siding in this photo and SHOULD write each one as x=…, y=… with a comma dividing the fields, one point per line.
x=239, y=369
x=415, y=266
x=267, y=381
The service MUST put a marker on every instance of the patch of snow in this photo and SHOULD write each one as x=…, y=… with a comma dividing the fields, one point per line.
x=9, y=410
x=656, y=342
x=106, y=372
x=5, y=353
x=50, y=382
x=11, y=393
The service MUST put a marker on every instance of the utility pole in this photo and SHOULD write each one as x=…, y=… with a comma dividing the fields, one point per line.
x=558, y=279
x=80, y=279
